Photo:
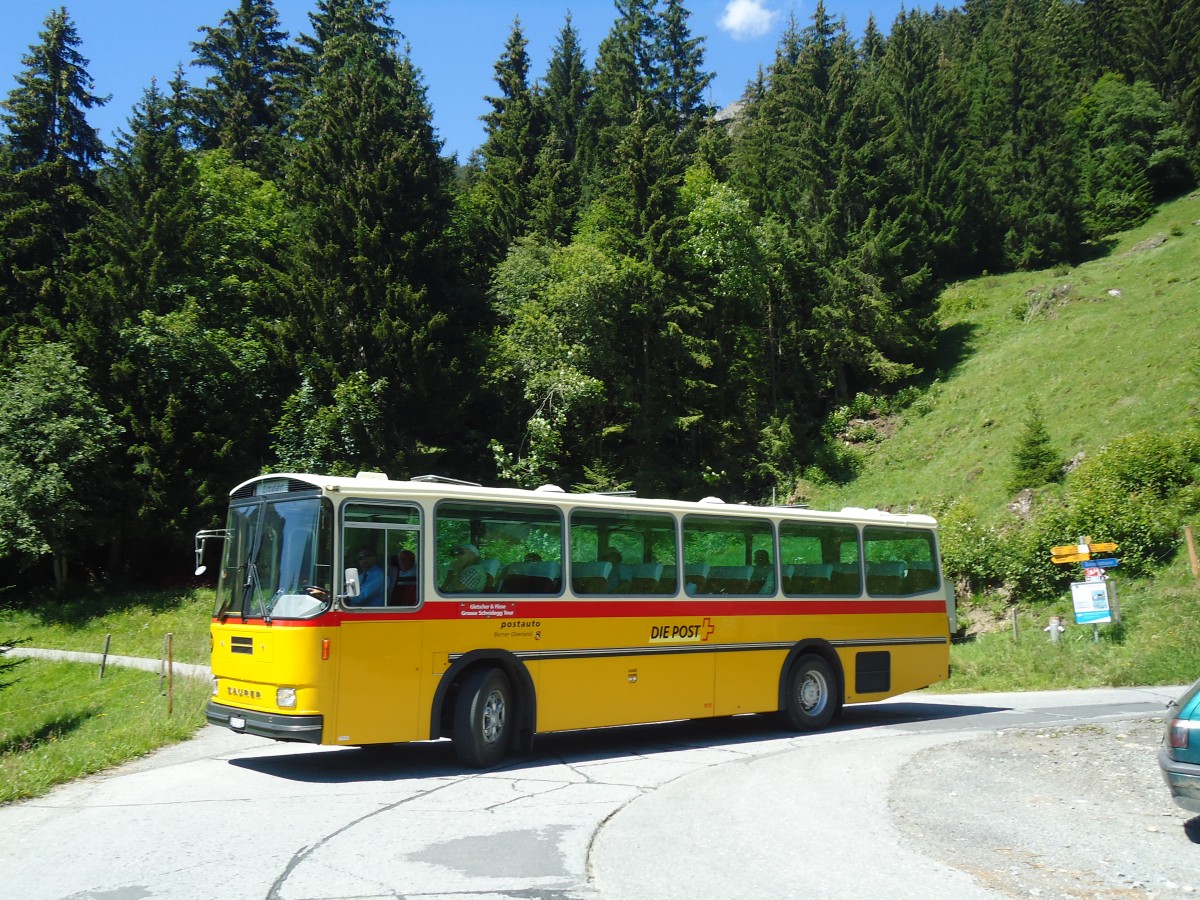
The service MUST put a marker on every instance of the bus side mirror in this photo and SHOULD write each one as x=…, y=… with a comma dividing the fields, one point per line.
x=201, y=537
x=351, y=581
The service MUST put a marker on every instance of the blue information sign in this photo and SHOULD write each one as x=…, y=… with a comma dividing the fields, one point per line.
x=1108, y=563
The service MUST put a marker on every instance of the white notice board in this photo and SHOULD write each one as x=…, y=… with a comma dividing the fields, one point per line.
x=1093, y=602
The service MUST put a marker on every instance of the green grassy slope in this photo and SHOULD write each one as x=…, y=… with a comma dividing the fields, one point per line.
x=1105, y=348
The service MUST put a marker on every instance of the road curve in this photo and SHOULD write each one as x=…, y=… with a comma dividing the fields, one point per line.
x=727, y=808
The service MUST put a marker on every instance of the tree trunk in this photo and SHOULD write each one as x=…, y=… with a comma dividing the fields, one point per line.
x=60, y=571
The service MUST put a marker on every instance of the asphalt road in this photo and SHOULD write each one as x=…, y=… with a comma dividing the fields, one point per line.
x=730, y=808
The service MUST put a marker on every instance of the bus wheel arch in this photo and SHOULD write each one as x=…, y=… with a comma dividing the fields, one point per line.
x=467, y=674
x=811, y=686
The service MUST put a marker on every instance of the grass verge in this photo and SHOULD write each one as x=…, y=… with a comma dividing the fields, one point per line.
x=59, y=721
x=1153, y=644
x=137, y=620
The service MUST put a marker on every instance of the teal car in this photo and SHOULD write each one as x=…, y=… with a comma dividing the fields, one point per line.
x=1179, y=755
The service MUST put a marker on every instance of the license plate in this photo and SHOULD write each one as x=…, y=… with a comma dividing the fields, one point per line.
x=237, y=723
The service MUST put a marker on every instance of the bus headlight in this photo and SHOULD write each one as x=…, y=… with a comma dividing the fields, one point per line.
x=215, y=686
x=285, y=698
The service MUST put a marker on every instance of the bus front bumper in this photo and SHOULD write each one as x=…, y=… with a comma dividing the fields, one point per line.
x=307, y=729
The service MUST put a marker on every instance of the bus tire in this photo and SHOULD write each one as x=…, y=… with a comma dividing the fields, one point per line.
x=483, y=718
x=810, y=701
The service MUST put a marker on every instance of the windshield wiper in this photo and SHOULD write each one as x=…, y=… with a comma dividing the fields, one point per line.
x=252, y=586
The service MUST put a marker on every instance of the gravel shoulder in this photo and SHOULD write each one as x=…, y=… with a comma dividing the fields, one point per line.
x=1078, y=811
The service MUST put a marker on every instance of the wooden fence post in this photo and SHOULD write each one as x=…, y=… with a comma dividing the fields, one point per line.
x=1191, y=545
x=104, y=655
x=170, y=672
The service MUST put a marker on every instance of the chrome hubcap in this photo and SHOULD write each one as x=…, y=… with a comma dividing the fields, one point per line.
x=813, y=693
x=493, y=717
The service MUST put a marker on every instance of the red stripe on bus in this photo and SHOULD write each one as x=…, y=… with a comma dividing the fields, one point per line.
x=496, y=609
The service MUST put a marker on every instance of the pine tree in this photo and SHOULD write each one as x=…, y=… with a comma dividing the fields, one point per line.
x=919, y=87
x=1035, y=463
x=48, y=182
x=1130, y=152
x=1018, y=122
x=249, y=100
x=1165, y=51
x=373, y=204
x=515, y=131
x=145, y=241
x=684, y=80
x=624, y=76
x=555, y=189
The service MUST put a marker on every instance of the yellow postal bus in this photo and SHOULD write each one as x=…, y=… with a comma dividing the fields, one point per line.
x=355, y=611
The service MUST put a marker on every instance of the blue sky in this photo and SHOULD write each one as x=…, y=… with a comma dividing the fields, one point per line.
x=455, y=43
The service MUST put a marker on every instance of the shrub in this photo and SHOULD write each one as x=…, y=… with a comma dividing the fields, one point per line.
x=1133, y=492
x=972, y=552
x=1136, y=492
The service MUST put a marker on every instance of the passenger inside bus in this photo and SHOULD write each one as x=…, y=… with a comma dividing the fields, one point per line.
x=371, y=579
x=466, y=574
x=406, y=566
x=618, y=576
x=763, y=579
x=403, y=572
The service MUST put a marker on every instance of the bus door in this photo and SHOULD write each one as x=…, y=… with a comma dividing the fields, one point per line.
x=380, y=638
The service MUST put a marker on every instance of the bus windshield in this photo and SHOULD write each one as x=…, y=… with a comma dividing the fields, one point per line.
x=277, y=559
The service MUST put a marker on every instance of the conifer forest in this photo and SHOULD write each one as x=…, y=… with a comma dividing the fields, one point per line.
x=276, y=267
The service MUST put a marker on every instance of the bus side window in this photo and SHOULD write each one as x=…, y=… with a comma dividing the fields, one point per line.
x=507, y=548
x=819, y=559
x=634, y=550
x=724, y=555
x=389, y=532
x=900, y=561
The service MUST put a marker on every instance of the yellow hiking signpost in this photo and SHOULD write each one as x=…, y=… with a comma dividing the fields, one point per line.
x=1081, y=552
x=1094, y=598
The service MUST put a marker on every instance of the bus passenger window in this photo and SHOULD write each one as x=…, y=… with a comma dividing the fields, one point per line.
x=726, y=555
x=900, y=561
x=622, y=553
x=819, y=559
x=505, y=548
x=380, y=540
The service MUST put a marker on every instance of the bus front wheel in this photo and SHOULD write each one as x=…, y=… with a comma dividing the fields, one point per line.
x=810, y=701
x=482, y=717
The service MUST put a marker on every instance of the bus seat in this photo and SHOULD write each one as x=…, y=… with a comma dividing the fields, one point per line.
x=667, y=583
x=729, y=580
x=492, y=567
x=921, y=577
x=393, y=570
x=845, y=579
x=809, y=578
x=886, y=577
x=696, y=574
x=645, y=577
x=404, y=593
x=621, y=580
x=590, y=577
x=531, y=578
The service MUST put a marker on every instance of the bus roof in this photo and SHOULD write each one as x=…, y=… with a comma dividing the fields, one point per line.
x=376, y=485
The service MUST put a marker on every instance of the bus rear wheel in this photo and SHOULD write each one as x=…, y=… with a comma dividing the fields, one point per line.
x=810, y=701
x=482, y=717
